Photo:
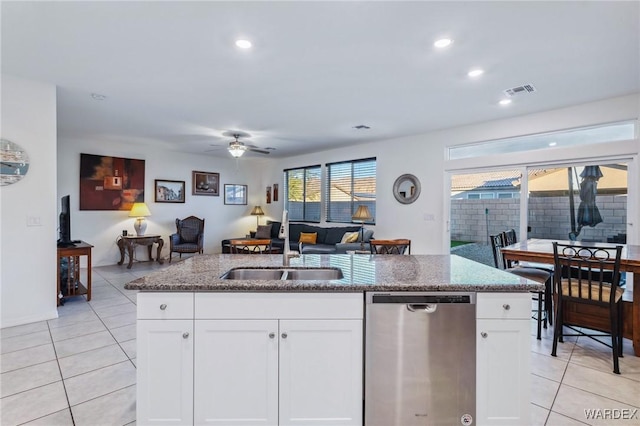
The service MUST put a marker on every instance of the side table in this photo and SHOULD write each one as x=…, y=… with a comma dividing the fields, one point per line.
x=73, y=286
x=130, y=242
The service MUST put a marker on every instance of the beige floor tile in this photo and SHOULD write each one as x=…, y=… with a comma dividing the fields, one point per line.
x=120, y=320
x=573, y=403
x=549, y=367
x=80, y=344
x=32, y=404
x=538, y=415
x=111, y=301
x=122, y=334
x=61, y=418
x=100, y=382
x=130, y=348
x=91, y=360
x=603, y=383
x=18, y=343
x=117, y=408
x=110, y=311
x=76, y=330
x=28, y=378
x=543, y=391
x=556, y=419
x=21, y=330
x=73, y=319
x=26, y=357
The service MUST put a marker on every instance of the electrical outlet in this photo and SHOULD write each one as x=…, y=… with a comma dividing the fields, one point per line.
x=428, y=217
x=34, y=221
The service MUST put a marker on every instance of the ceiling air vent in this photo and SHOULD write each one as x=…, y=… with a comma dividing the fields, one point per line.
x=520, y=90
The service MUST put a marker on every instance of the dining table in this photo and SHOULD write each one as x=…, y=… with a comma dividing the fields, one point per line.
x=541, y=251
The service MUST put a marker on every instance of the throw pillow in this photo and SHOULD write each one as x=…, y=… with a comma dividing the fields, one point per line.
x=350, y=237
x=308, y=237
x=264, y=231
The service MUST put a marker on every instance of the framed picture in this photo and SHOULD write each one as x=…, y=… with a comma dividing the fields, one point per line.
x=275, y=192
x=110, y=183
x=206, y=183
x=235, y=194
x=169, y=191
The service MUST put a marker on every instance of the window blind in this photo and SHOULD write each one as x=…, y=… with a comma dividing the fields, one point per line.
x=302, y=191
x=349, y=185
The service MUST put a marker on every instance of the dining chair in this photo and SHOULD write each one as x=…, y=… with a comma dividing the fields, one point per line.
x=256, y=246
x=534, y=274
x=589, y=275
x=398, y=246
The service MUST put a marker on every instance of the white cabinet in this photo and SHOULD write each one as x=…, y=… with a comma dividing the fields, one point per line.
x=251, y=359
x=503, y=354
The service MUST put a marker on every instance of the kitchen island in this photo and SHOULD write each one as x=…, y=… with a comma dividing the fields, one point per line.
x=290, y=352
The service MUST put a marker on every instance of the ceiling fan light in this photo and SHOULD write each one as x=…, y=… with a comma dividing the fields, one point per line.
x=236, y=149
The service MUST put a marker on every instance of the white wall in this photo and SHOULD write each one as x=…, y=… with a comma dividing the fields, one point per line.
x=101, y=228
x=28, y=293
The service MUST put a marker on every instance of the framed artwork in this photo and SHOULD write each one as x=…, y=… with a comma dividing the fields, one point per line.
x=235, y=194
x=206, y=183
x=275, y=192
x=268, y=195
x=169, y=191
x=110, y=183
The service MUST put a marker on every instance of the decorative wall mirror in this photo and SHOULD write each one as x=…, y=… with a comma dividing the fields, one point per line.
x=406, y=189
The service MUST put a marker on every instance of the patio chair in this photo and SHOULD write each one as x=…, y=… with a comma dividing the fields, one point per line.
x=189, y=237
x=588, y=275
x=534, y=274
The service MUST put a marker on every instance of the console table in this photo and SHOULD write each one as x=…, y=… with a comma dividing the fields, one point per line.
x=130, y=242
x=72, y=283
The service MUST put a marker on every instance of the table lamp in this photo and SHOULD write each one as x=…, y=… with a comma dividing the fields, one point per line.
x=140, y=210
x=257, y=212
x=361, y=215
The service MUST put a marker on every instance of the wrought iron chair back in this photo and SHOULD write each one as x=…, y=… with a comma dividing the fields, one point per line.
x=398, y=246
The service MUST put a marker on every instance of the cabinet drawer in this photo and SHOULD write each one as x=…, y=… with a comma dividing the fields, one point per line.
x=279, y=306
x=165, y=305
x=503, y=305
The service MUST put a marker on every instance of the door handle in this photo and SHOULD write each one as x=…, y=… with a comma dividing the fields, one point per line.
x=422, y=307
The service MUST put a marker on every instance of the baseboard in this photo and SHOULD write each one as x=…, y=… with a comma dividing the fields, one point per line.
x=12, y=322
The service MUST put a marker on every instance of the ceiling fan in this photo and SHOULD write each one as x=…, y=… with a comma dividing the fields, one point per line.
x=237, y=148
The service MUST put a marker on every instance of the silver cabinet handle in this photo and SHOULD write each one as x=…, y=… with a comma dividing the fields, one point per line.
x=272, y=335
x=163, y=306
x=185, y=335
x=484, y=335
x=506, y=306
x=284, y=335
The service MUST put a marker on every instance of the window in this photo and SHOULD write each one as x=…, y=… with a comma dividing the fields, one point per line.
x=349, y=185
x=302, y=191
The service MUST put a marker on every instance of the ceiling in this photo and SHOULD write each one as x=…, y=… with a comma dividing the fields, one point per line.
x=172, y=75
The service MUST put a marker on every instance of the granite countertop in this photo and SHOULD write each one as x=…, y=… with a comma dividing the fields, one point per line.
x=362, y=272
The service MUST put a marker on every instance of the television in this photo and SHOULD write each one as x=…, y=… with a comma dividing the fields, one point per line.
x=64, y=223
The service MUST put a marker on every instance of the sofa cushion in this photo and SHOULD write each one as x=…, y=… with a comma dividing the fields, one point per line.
x=318, y=248
x=275, y=228
x=308, y=237
x=264, y=231
x=368, y=234
x=350, y=237
x=334, y=235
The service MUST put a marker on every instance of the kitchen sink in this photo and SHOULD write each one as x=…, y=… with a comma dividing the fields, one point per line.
x=283, y=274
x=253, y=274
x=313, y=274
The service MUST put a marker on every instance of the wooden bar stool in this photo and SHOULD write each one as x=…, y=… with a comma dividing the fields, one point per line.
x=398, y=246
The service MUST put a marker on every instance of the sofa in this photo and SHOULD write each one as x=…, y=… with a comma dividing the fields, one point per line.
x=328, y=240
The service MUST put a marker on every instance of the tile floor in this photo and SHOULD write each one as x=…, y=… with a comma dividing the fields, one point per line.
x=79, y=369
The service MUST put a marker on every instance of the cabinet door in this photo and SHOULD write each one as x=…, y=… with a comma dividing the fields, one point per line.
x=503, y=372
x=237, y=372
x=164, y=372
x=320, y=372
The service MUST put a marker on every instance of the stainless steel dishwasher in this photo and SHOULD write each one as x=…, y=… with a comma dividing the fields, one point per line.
x=420, y=359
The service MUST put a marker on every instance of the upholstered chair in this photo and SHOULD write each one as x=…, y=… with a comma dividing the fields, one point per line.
x=189, y=237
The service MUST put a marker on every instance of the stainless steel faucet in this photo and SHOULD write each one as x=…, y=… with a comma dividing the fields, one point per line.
x=287, y=253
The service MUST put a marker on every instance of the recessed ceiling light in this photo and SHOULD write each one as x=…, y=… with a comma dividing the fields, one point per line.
x=476, y=72
x=443, y=42
x=98, y=97
x=505, y=102
x=243, y=44
x=553, y=143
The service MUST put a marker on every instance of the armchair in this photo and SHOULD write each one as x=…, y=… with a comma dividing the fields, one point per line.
x=189, y=237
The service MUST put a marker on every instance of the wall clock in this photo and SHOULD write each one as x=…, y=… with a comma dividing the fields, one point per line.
x=14, y=162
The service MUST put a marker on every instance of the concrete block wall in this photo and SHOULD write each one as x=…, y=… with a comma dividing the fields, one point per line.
x=549, y=217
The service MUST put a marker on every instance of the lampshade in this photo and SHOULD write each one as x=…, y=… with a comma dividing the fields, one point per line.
x=362, y=214
x=257, y=211
x=139, y=210
x=236, y=149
